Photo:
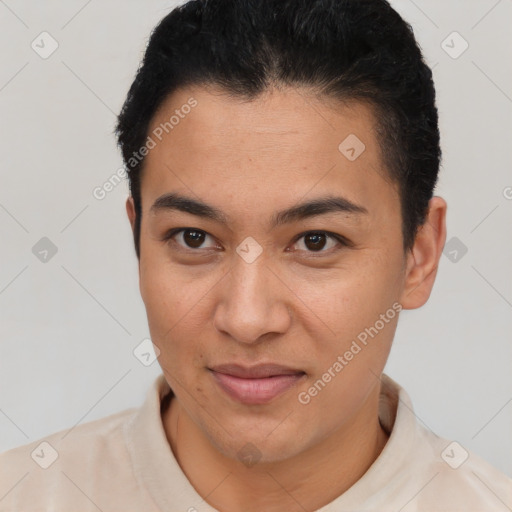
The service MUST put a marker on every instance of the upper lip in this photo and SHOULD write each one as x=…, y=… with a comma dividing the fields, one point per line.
x=255, y=372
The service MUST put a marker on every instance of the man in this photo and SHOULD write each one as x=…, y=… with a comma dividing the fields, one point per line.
x=282, y=157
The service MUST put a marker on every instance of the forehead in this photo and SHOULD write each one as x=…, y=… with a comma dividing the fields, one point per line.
x=212, y=144
x=277, y=117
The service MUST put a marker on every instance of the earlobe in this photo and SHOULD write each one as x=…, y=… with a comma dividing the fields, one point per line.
x=423, y=258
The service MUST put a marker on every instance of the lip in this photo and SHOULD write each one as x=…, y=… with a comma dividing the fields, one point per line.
x=255, y=372
x=257, y=384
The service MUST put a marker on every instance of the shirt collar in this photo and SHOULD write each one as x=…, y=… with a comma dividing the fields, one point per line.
x=390, y=469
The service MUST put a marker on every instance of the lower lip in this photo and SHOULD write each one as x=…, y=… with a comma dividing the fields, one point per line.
x=256, y=391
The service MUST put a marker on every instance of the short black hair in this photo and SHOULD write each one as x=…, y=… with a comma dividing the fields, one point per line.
x=344, y=49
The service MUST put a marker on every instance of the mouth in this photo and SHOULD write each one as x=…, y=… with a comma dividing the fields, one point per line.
x=255, y=385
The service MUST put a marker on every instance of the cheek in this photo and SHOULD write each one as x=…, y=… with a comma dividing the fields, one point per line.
x=347, y=365
x=162, y=305
x=175, y=308
x=166, y=307
x=353, y=296
x=355, y=315
x=167, y=295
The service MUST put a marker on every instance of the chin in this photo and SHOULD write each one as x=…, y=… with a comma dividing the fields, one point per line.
x=253, y=449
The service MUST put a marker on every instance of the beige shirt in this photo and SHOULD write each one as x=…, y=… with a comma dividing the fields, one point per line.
x=124, y=463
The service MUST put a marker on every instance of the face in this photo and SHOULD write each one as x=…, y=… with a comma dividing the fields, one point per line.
x=240, y=271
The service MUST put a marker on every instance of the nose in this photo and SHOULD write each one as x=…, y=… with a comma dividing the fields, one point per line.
x=253, y=303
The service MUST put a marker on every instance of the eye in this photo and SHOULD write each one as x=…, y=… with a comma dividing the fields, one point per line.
x=190, y=238
x=319, y=241
x=311, y=241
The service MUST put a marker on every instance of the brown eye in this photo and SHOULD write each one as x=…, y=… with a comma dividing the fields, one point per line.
x=319, y=242
x=190, y=238
x=315, y=241
x=193, y=238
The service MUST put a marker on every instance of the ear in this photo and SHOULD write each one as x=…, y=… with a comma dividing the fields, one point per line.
x=130, y=210
x=423, y=258
x=132, y=216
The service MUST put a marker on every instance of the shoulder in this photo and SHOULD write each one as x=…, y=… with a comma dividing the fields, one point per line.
x=64, y=446
x=424, y=471
x=65, y=463
x=456, y=477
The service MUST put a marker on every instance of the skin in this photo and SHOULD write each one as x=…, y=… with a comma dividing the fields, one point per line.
x=293, y=305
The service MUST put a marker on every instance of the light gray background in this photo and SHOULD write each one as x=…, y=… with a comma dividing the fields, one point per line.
x=69, y=326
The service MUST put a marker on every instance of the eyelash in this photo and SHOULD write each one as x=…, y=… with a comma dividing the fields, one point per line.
x=344, y=242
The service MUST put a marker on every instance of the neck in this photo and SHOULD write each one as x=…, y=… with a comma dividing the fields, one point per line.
x=307, y=481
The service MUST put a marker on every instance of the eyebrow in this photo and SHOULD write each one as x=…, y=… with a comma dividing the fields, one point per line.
x=318, y=206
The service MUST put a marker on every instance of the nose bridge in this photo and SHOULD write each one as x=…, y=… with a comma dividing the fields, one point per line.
x=249, y=278
x=251, y=304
